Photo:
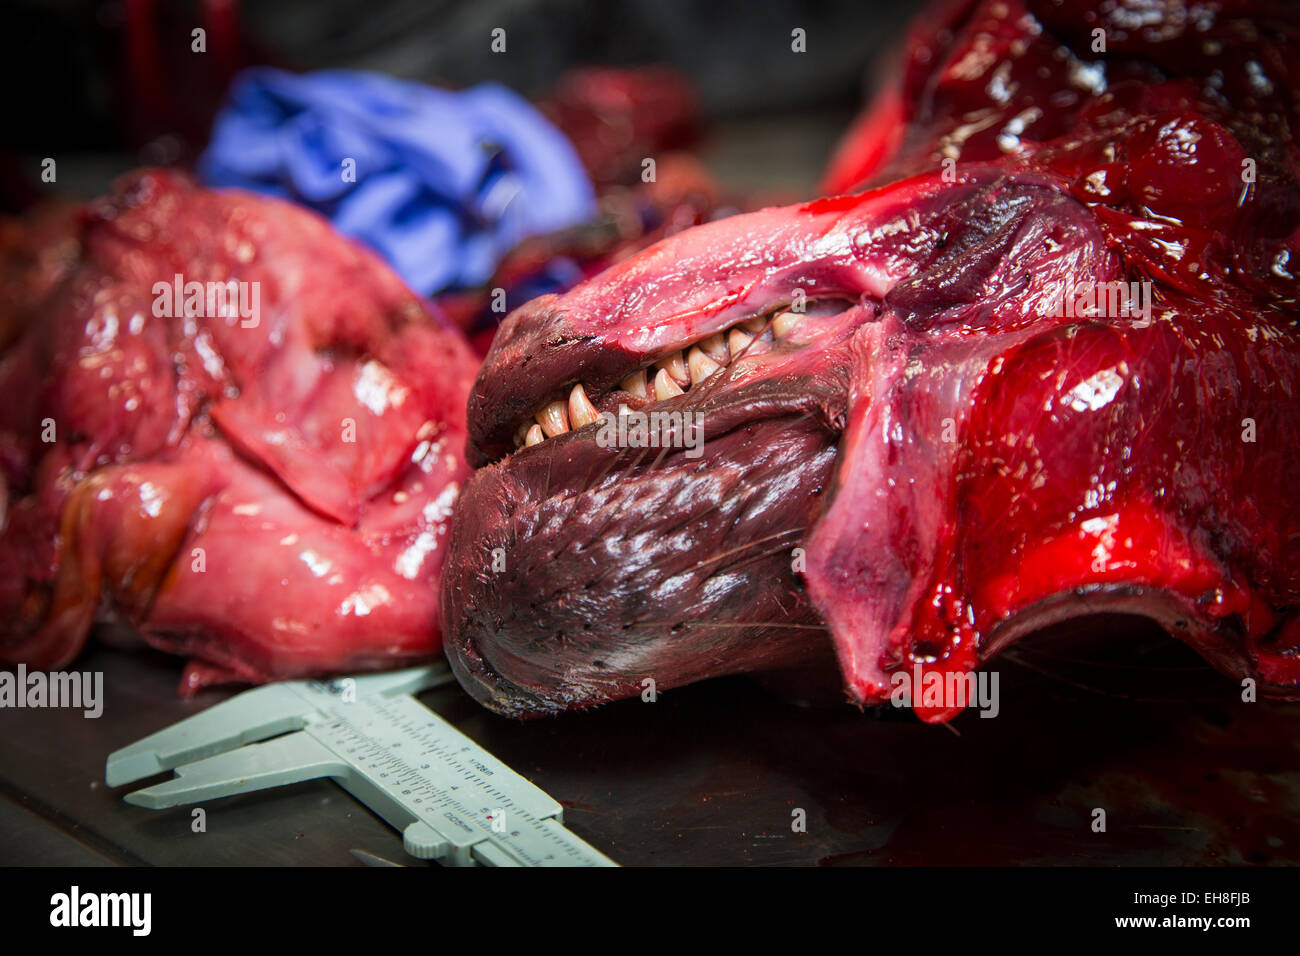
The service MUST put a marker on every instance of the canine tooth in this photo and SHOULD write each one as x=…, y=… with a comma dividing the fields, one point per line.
x=554, y=419
x=534, y=436
x=701, y=365
x=675, y=366
x=634, y=383
x=738, y=339
x=715, y=347
x=665, y=387
x=785, y=322
x=581, y=411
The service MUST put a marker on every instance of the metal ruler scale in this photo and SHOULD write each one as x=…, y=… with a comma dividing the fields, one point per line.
x=452, y=800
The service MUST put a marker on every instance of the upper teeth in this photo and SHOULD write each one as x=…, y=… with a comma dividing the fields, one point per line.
x=784, y=323
x=634, y=384
x=675, y=366
x=554, y=419
x=715, y=347
x=665, y=387
x=700, y=365
x=737, y=339
x=671, y=375
x=581, y=411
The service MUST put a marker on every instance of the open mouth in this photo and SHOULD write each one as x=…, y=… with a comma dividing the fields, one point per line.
x=693, y=368
x=685, y=554
x=703, y=314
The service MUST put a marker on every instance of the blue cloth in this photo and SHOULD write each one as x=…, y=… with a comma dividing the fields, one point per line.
x=445, y=183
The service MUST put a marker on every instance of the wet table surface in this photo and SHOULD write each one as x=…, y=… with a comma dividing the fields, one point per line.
x=1108, y=716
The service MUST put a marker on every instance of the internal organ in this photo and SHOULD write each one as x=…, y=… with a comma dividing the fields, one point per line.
x=1001, y=462
x=266, y=493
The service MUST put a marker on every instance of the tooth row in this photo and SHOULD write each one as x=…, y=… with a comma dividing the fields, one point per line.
x=673, y=374
x=558, y=417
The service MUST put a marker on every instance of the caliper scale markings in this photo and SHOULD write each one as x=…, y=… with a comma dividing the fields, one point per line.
x=451, y=799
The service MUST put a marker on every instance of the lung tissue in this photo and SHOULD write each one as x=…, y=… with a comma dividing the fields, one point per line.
x=226, y=427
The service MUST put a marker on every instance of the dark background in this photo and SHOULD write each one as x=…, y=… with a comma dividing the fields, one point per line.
x=109, y=84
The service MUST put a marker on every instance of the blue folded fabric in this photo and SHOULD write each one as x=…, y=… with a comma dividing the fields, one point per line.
x=445, y=183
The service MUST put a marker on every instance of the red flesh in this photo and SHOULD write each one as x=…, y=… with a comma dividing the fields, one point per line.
x=1001, y=465
x=205, y=485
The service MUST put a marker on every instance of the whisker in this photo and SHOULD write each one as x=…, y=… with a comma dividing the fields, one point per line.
x=745, y=547
x=690, y=624
x=550, y=462
x=599, y=533
x=752, y=558
x=716, y=380
x=613, y=460
x=1108, y=665
x=1102, y=691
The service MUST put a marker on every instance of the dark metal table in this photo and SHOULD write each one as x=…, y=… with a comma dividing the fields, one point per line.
x=711, y=774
